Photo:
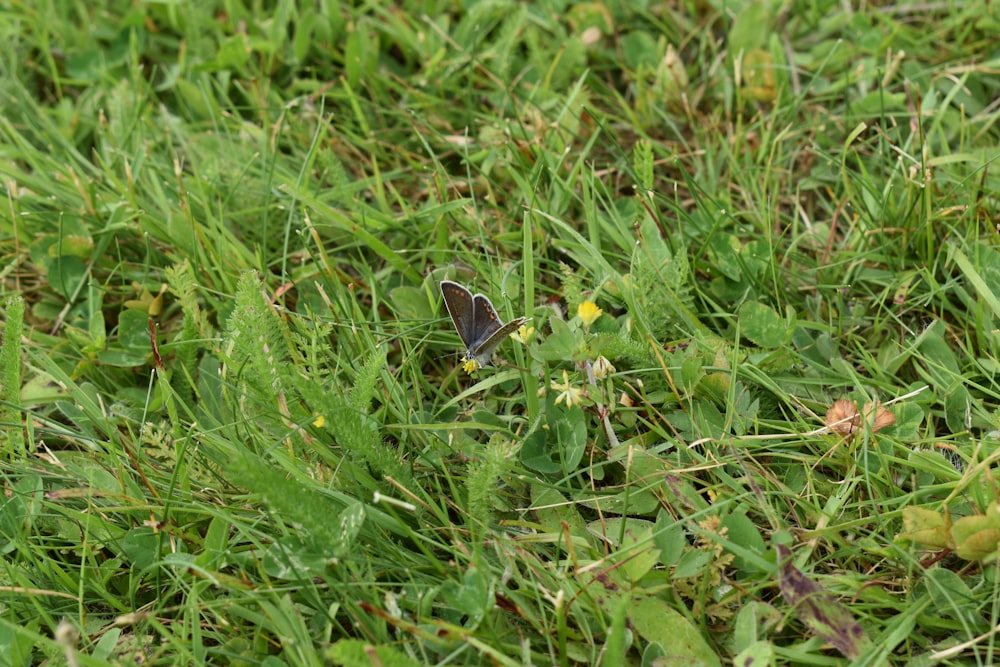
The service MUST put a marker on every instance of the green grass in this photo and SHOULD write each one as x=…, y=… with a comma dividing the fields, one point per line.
x=773, y=206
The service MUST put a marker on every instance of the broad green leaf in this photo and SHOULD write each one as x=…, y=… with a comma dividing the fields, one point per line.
x=633, y=501
x=758, y=654
x=559, y=344
x=750, y=29
x=634, y=538
x=762, y=325
x=669, y=538
x=471, y=596
x=411, y=303
x=976, y=537
x=925, y=527
x=754, y=621
x=958, y=409
x=536, y=454
x=682, y=643
x=639, y=49
x=552, y=509
x=693, y=563
x=742, y=531
x=141, y=546
x=571, y=437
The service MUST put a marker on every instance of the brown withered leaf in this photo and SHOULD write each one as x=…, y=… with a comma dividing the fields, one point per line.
x=843, y=417
x=883, y=417
x=819, y=610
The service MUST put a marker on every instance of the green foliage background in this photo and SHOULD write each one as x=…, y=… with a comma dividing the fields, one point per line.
x=235, y=426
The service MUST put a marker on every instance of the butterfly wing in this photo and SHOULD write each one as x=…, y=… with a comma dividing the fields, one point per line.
x=499, y=336
x=461, y=307
x=490, y=330
x=486, y=322
x=476, y=321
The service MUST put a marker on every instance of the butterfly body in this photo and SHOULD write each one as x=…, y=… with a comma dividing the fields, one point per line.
x=477, y=323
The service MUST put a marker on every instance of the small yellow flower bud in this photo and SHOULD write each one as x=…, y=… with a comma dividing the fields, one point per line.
x=588, y=312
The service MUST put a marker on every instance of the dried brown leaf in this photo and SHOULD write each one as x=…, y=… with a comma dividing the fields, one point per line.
x=824, y=615
x=843, y=417
x=883, y=418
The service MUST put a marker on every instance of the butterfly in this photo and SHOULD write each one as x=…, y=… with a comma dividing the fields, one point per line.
x=477, y=323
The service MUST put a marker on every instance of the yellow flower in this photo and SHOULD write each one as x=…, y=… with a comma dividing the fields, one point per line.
x=523, y=335
x=319, y=422
x=588, y=312
x=602, y=368
x=471, y=365
x=568, y=393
